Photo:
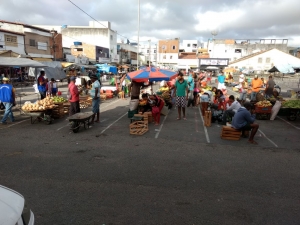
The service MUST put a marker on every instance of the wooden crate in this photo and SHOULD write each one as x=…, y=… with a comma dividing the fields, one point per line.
x=207, y=118
x=138, y=127
x=230, y=133
x=66, y=107
x=150, y=118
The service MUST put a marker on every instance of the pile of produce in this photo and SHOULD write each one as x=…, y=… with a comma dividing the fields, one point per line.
x=291, y=104
x=263, y=103
x=58, y=99
x=46, y=103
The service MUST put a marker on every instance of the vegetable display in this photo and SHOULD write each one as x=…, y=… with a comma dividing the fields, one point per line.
x=263, y=103
x=291, y=104
x=58, y=99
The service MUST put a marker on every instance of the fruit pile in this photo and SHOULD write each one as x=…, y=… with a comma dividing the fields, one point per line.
x=58, y=99
x=46, y=103
x=263, y=103
x=291, y=104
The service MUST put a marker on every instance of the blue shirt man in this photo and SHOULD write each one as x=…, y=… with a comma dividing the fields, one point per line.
x=7, y=97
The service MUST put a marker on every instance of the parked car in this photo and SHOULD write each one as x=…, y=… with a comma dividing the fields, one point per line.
x=13, y=208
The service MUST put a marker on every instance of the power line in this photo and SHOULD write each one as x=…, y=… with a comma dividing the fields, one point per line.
x=100, y=22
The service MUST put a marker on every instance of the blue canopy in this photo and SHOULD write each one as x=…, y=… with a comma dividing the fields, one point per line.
x=107, y=68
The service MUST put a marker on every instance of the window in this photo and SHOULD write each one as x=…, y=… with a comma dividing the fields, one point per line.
x=238, y=50
x=188, y=45
x=194, y=50
x=78, y=49
x=32, y=42
x=171, y=57
x=268, y=60
x=164, y=57
x=111, y=37
x=259, y=60
x=10, y=40
x=154, y=51
x=1, y=46
x=194, y=45
x=173, y=47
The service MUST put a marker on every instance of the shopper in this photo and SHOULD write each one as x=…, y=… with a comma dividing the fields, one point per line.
x=157, y=106
x=221, y=81
x=73, y=96
x=181, y=91
x=95, y=94
x=52, y=87
x=270, y=87
x=7, y=97
x=42, y=83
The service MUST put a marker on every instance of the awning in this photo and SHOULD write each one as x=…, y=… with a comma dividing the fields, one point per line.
x=42, y=59
x=22, y=62
x=66, y=64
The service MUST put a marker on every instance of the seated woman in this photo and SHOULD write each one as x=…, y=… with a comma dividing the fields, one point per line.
x=157, y=105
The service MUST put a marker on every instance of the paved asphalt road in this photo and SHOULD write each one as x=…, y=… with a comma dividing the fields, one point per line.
x=177, y=173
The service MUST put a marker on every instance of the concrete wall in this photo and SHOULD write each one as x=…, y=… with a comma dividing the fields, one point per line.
x=18, y=48
x=34, y=51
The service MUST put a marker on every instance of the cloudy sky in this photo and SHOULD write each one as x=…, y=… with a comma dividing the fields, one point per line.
x=161, y=19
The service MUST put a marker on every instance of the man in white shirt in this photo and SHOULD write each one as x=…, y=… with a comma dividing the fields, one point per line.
x=231, y=108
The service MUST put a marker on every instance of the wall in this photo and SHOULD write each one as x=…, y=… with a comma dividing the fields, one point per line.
x=33, y=50
x=191, y=48
x=20, y=48
x=58, y=46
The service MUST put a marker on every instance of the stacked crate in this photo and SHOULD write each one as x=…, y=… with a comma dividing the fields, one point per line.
x=229, y=133
x=58, y=111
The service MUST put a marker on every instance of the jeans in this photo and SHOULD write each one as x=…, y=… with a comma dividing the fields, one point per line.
x=8, y=112
x=243, y=96
x=253, y=96
x=227, y=113
x=43, y=94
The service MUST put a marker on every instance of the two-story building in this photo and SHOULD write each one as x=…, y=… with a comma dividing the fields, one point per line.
x=168, y=51
x=128, y=53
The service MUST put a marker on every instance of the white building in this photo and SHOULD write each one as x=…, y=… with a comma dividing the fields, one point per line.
x=12, y=37
x=265, y=60
x=98, y=34
x=148, y=53
x=190, y=45
x=235, y=49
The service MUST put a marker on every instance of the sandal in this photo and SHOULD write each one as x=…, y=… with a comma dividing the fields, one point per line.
x=178, y=118
x=184, y=118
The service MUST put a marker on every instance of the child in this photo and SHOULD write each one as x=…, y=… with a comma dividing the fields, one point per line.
x=243, y=92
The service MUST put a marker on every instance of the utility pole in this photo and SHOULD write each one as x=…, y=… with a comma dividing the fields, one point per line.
x=138, y=35
x=149, y=53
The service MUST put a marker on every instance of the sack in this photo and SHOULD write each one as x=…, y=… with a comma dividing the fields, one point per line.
x=69, y=96
x=155, y=110
x=275, y=110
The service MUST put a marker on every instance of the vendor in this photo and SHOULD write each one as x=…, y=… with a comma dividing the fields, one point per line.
x=41, y=82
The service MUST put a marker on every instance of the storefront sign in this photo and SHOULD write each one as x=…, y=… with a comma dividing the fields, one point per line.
x=214, y=62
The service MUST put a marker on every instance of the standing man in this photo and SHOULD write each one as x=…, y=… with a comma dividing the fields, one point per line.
x=42, y=84
x=95, y=94
x=244, y=120
x=7, y=97
x=256, y=85
x=182, y=92
x=73, y=97
x=134, y=90
x=270, y=87
x=221, y=81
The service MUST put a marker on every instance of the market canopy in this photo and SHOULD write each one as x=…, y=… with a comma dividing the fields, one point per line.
x=53, y=70
x=151, y=74
x=21, y=62
x=282, y=69
x=107, y=68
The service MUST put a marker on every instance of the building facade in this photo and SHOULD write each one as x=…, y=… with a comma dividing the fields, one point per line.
x=97, y=33
x=128, y=53
x=190, y=45
x=168, y=51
